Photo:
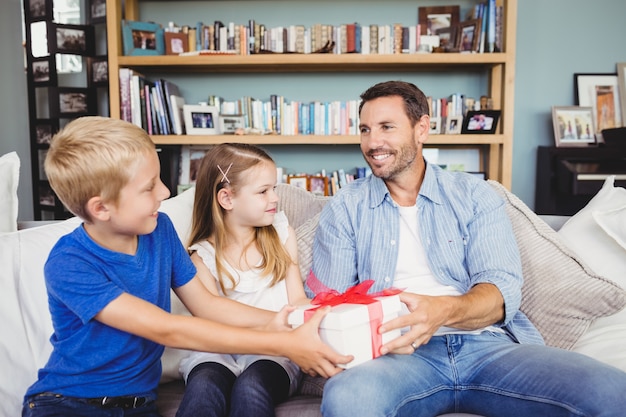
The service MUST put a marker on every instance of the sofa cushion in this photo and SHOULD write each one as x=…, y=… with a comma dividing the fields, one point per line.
x=9, y=178
x=598, y=234
x=561, y=295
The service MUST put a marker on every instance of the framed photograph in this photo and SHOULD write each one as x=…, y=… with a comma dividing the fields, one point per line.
x=201, y=119
x=434, y=18
x=435, y=125
x=44, y=130
x=44, y=71
x=97, y=11
x=480, y=122
x=601, y=93
x=38, y=10
x=176, y=43
x=72, y=102
x=468, y=36
x=72, y=39
x=453, y=125
x=318, y=185
x=46, y=195
x=98, y=71
x=190, y=159
x=230, y=123
x=447, y=37
x=143, y=38
x=300, y=181
x=621, y=81
x=573, y=126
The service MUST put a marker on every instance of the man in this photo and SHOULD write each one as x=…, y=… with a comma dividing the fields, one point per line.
x=446, y=239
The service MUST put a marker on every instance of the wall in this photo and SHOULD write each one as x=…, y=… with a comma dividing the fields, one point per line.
x=14, y=106
x=555, y=39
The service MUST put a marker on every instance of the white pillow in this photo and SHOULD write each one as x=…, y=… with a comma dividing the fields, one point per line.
x=597, y=234
x=9, y=178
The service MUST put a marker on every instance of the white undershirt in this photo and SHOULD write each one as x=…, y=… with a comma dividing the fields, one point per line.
x=412, y=271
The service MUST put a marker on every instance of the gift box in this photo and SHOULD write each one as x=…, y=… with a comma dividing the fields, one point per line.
x=352, y=329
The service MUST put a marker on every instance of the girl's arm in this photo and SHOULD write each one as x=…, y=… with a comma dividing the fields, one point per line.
x=293, y=280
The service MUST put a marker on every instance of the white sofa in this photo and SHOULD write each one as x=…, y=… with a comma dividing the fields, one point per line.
x=573, y=291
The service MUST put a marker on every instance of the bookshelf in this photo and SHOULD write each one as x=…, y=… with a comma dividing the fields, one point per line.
x=495, y=149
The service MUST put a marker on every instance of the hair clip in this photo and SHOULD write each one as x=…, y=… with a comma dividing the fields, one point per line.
x=224, y=177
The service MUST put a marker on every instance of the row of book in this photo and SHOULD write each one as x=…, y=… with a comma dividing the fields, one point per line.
x=253, y=37
x=155, y=106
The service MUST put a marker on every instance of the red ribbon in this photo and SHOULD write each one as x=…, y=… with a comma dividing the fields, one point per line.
x=354, y=295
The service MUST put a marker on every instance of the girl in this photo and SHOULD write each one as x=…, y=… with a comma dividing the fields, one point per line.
x=245, y=250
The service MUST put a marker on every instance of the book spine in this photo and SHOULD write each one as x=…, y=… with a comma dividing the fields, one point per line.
x=125, y=100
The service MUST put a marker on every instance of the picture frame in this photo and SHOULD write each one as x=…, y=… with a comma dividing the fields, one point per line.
x=98, y=71
x=35, y=10
x=71, y=102
x=71, y=39
x=435, y=126
x=318, y=185
x=97, y=11
x=176, y=43
x=201, y=119
x=573, y=126
x=190, y=159
x=44, y=130
x=44, y=71
x=480, y=122
x=448, y=37
x=433, y=18
x=142, y=38
x=600, y=91
x=453, y=125
x=300, y=181
x=230, y=123
x=621, y=82
x=468, y=35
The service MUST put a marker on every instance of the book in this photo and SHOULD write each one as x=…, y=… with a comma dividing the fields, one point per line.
x=125, y=100
x=177, y=103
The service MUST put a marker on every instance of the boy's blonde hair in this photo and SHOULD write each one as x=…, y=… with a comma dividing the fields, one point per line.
x=94, y=156
x=208, y=214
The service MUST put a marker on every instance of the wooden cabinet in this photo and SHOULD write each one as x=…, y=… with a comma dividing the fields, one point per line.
x=495, y=149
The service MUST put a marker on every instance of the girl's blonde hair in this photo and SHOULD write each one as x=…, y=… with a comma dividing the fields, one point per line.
x=94, y=156
x=208, y=214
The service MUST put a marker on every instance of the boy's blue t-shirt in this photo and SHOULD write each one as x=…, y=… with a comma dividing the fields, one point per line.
x=90, y=359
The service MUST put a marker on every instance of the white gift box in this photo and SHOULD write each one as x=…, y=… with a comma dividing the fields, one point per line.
x=347, y=328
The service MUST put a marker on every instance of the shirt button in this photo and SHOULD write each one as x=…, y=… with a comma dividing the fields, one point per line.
x=392, y=242
x=387, y=279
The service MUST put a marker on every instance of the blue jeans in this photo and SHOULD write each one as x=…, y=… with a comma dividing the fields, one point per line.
x=213, y=390
x=54, y=405
x=484, y=374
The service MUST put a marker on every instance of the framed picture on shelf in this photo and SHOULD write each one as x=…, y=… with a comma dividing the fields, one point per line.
x=434, y=18
x=143, y=38
x=230, y=124
x=447, y=37
x=480, y=122
x=190, y=158
x=71, y=102
x=38, y=10
x=453, y=125
x=300, y=181
x=71, y=39
x=468, y=36
x=435, y=126
x=573, y=126
x=318, y=185
x=97, y=11
x=44, y=130
x=621, y=82
x=98, y=71
x=46, y=195
x=601, y=93
x=176, y=43
x=201, y=119
x=44, y=71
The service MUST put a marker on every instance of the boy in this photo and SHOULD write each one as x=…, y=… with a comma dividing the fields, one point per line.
x=109, y=285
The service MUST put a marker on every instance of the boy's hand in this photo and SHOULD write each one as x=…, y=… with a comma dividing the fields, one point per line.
x=309, y=352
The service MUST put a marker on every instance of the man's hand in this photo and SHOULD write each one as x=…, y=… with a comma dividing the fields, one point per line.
x=309, y=352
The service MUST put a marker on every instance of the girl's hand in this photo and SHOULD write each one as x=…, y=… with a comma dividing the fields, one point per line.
x=279, y=320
